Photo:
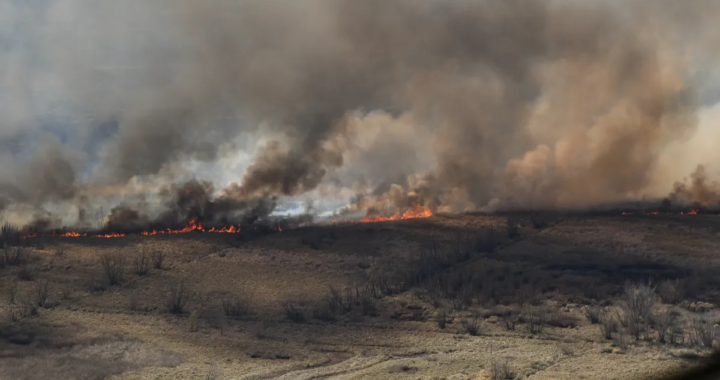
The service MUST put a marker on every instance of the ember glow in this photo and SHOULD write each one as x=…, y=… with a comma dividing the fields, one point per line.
x=417, y=211
x=691, y=212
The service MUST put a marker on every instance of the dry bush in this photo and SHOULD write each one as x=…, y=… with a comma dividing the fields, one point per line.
x=536, y=318
x=178, y=296
x=134, y=302
x=324, y=311
x=486, y=241
x=442, y=318
x=113, y=265
x=592, y=313
x=341, y=300
x=293, y=312
x=9, y=235
x=636, y=307
x=702, y=332
x=16, y=255
x=621, y=340
x=158, y=258
x=512, y=228
x=665, y=322
x=672, y=291
x=215, y=372
x=23, y=309
x=59, y=251
x=235, y=307
x=538, y=222
x=27, y=272
x=12, y=293
x=501, y=370
x=561, y=320
x=510, y=317
x=95, y=285
x=471, y=326
x=141, y=264
x=607, y=324
x=41, y=294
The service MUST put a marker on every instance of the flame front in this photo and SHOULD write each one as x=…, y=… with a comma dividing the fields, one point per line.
x=418, y=211
x=193, y=225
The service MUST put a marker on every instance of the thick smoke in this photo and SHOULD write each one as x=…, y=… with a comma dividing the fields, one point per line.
x=455, y=105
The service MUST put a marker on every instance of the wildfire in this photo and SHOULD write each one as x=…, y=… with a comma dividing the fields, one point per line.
x=691, y=212
x=418, y=211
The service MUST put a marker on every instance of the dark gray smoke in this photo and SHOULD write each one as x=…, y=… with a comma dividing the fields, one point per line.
x=473, y=103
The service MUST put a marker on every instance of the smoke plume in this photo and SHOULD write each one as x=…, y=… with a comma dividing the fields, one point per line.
x=167, y=111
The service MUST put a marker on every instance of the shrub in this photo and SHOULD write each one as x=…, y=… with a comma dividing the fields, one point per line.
x=16, y=255
x=41, y=294
x=442, y=318
x=141, y=264
x=293, y=312
x=12, y=293
x=22, y=310
x=324, y=312
x=702, y=332
x=672, y=291
x=501, y=370
x=340, y=300
x=60, y=252
x=9, y=235
x=235, y=307
x=177, y=298
x=471, y=326
x=538, y=222
x=607, y=324
x=536, y=318
x=665, y=323
x=193, y=321
x=512, y=228
x=592, y=314
x=510, y=318
x=636, y=306
x=486, y=242
x=158, y=257
x=27, y=272
x=113, y=265
x=368, y=308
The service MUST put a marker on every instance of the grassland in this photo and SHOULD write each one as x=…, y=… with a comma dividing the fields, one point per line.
x=447, y=297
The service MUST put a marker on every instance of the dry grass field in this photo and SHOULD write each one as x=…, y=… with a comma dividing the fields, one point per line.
x=447, y=297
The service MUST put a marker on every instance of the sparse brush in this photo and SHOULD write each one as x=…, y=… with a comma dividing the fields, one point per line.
x=672, y=291
x=22, y=310
x=235, y=307
x=636, y=305
x=607, y=324
x=536, y=318
x=471, y=326
x=501, y=370
x=158, y=258
x=177, y=298
x=293, y=312
x=12, y=293
x=510, y=318
x=141, y=264
x=442, y=318
x=9, y=235
x=486, y=241
x=538, y=222
x=512, y=228
x=16, y=255
x=702, y=332
x=665, y=322
x=592, y=313
x=41, y=294
x=113, y=265
x=59, y=251
x=323, y=311
x=27, y=272
x=215, y=372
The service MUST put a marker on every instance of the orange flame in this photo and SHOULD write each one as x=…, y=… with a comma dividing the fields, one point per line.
x=418, y=211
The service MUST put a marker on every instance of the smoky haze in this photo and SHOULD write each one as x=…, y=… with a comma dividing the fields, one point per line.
x=457, y=105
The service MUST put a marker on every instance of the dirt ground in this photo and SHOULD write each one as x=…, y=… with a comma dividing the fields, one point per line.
x=90, y=329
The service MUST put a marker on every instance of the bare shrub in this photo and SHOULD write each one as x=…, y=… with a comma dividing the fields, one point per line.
x=621, y=340
x=341, y=300
x=9, y=235
x=607, y=324
x=512, y=228
x=592, y=313
x=141, y=264
x=442, y=318
x=501, y=370
x=41, y=294
x=23, y=309
x=672, y=291
x=178, y=296
x=368, y=308
x=60, y=252
x=324, y=311
x=235, y=307
x=134, y=302
x=471, y=326
x=510, y=318
x=95, y=285
x=486, y=241
x=636, y=306
x=215, y=372
x=293, y=312
x=16, y=255
x=113, y=265
x=536, y=318
x=664, y=323
x=158, y=258
x=702, y=332
x=12, y=293
x=538, y=222
x=27, y=272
